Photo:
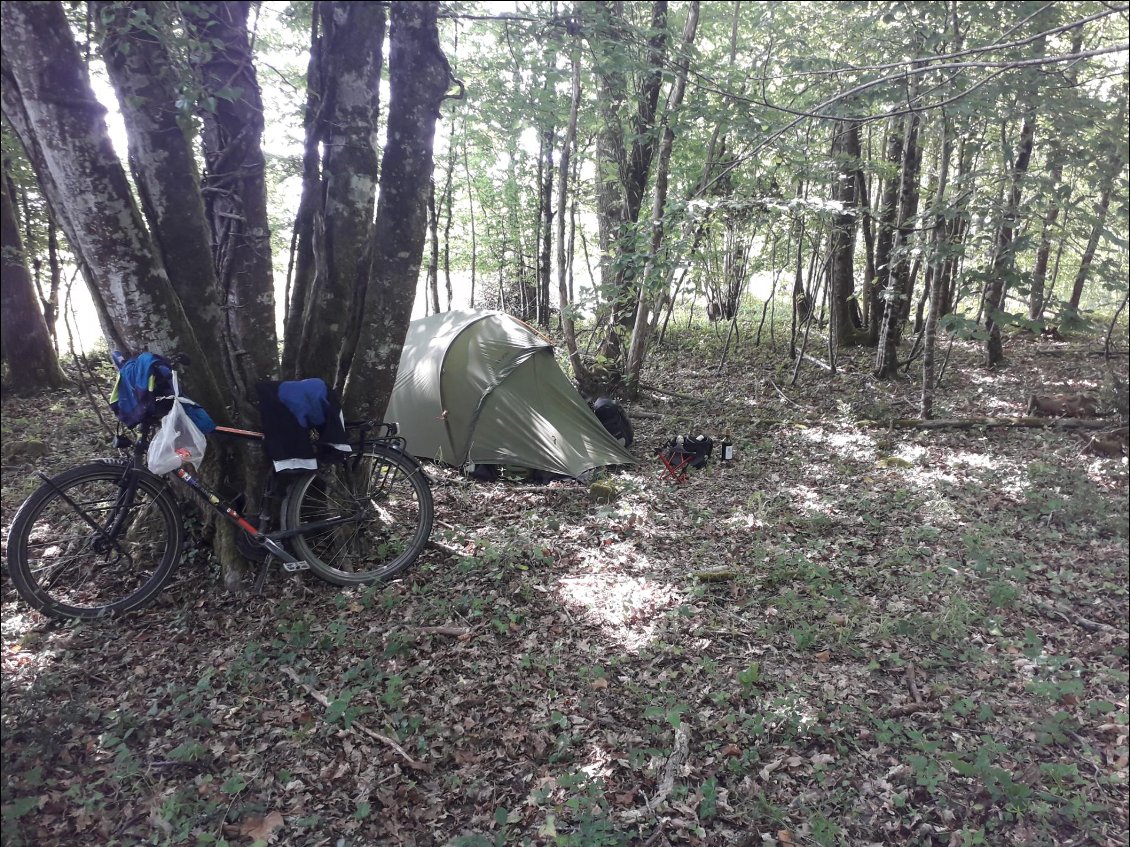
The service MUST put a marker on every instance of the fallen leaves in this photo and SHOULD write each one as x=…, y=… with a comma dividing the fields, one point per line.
x=917, y=632
x=262, y=828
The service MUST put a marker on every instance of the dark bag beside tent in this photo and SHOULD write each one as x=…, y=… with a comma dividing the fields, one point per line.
x=614, y=419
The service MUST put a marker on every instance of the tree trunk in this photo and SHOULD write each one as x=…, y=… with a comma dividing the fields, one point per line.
x=900, y=278
x=339, y=191
x=1113, y=170
x=431, y=297
x=49, y=101
x=1092, y=244
x=418, y=79
x=25, y=341
x=624, y=156
x=235, y=192
x=653, y=269
x=161, y=157
x=545, y=227
x=888, y=225
x=841, y=272
x=568, y=326
x=1036, y=297
x=934, y=279
x=1003, y=258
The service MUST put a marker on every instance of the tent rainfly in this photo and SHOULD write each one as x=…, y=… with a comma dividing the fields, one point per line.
x=484, y=388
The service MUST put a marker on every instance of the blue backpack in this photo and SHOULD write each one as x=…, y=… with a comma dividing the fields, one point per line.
x=144, y=392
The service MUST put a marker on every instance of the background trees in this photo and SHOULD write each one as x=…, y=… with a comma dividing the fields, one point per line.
x=889, y=172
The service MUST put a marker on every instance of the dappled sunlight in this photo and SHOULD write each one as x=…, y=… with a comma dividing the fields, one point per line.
x=857, y=446
x=790, y=710
x=627, y=608
x=972, y=460
x=807, y=499
x=598, y=762
x=25, y=656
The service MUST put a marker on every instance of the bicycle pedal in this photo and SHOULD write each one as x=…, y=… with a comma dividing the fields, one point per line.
x=292, y=567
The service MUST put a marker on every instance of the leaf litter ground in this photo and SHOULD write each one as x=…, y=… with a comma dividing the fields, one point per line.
x=848, y=635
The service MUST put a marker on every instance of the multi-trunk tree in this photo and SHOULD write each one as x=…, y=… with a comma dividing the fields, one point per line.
x=185, y=264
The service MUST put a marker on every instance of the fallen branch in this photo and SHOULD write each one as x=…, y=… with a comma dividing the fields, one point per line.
x=813, y=360
x=453, y=631
x=675, y=763
x=655, y=390
x=446, y=548
x=376, y=736
x=1055, y=613
x=715, y=575
x=974, y=423
x=905, y=709
x=782, y=393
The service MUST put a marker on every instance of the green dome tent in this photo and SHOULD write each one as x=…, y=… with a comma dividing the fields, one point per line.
x=484, y=388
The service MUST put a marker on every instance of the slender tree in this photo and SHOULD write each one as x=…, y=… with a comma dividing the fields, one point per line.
x=24, y=338
x=334, y=225
x=419, y=78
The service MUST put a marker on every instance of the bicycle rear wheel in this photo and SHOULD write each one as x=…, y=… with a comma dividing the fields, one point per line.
x=388, y=506
x=83, y=546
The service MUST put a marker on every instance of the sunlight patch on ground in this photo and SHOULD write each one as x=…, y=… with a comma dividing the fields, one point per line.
x=850, y=445
x=598, y=763
x=809, y=500
x=22, y=661
x=972, y=460
x=627, y=608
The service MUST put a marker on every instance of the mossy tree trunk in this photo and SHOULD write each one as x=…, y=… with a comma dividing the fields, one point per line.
x=419, y=77
x=339, y=191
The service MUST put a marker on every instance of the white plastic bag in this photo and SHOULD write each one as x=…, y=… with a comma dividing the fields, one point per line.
x=178, y=441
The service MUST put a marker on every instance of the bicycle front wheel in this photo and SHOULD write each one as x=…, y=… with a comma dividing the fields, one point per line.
x=375, y=513
x=96, y=540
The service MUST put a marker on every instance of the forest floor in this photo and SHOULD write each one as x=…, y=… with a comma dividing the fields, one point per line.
x=847, y=635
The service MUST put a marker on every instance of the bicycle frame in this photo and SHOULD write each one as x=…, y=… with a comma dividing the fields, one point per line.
x=270, y=541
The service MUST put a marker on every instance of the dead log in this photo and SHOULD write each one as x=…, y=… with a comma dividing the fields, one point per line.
x=1062, y=405
x=976, y=423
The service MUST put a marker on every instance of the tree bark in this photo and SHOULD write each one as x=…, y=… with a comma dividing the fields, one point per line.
x=161, y=157
x=841, y=271
x=1003, y=259
x=888, y=226
x=624, y=157
x=934, y=279
x=900, y=278
x=50, y=103
x=339, y=190
x=641, y=332
x=26, y=343
x=545, y=226
x=564, y=297
x=432, y=285
x=418, y=80
x=235, y=194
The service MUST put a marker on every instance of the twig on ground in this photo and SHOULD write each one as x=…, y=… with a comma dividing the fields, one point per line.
x=376, y=736
x=666, y=393
x=675, y=763
x=784, y=396
x=904, y=709
x=911, y=685
x=446, y=548
x=1056, y=613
